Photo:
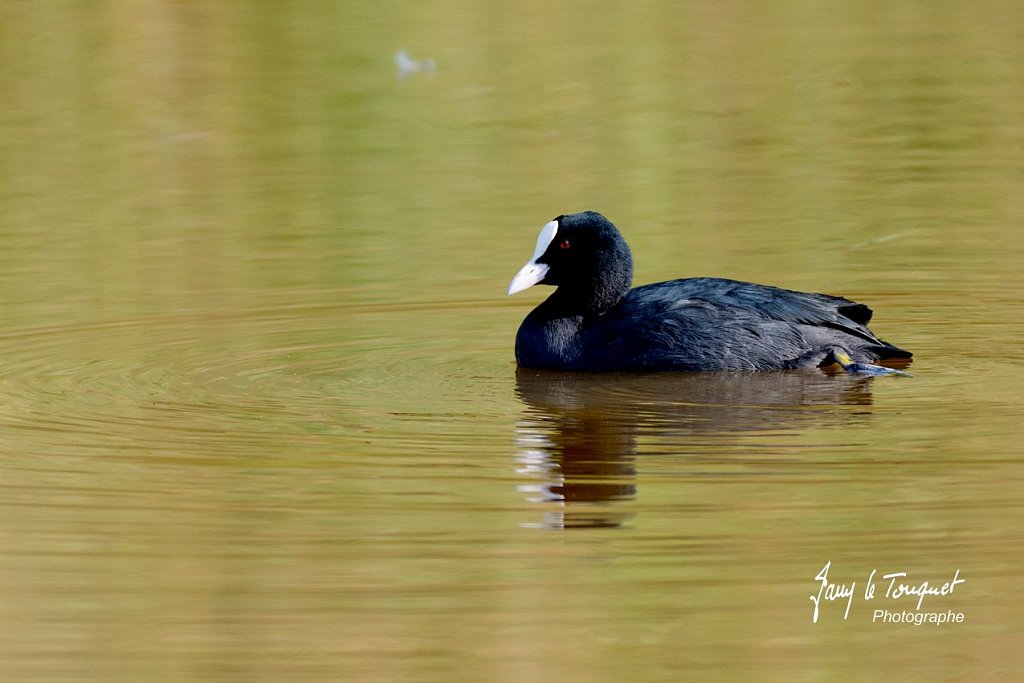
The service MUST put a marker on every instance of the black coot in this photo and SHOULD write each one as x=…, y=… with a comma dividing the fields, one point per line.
x=594, y=321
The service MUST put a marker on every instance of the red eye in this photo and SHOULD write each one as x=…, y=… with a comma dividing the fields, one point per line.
x=564, y=244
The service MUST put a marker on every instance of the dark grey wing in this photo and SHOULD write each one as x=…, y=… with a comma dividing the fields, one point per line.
x=762, y=301
x=690, y=334
x=697, y=323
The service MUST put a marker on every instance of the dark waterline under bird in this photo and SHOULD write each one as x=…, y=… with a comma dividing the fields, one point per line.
x=595, y=321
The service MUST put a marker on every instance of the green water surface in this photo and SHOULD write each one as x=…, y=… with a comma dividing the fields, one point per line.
x=259, y=414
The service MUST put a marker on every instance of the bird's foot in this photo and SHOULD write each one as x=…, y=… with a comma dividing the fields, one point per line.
x=852, y=366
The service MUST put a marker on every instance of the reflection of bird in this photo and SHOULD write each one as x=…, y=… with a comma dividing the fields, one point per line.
x=578, y=439
x=720, y=405
x=594, y=321
x=407, y=65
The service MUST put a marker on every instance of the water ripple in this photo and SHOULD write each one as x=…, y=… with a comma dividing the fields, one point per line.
x=248, y=381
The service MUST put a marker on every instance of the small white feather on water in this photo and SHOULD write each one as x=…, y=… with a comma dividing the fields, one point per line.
x=407, y=65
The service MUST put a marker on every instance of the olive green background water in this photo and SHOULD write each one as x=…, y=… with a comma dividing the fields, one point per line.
x=259, y=415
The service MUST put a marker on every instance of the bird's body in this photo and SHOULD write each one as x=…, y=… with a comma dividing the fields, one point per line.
x=594, y=321
x=701, y=324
